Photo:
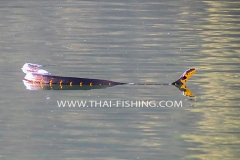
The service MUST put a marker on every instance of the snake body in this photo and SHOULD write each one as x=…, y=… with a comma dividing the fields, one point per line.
x=49, y=79
x=44, y=80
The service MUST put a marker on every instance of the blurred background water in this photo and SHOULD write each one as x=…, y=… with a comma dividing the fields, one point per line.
x=133, y=41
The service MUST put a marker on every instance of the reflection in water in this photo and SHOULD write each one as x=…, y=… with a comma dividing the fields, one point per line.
x=186, y=91
x=40, y=86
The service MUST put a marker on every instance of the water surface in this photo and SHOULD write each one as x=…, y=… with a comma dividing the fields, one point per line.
x=130, y=41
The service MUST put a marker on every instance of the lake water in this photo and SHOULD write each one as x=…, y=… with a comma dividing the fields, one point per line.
x=133, y=41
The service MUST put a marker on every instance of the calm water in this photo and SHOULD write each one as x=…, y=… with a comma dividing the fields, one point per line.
x=136, y=41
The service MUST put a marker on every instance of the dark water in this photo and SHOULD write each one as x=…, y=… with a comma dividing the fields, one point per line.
x=134, y=41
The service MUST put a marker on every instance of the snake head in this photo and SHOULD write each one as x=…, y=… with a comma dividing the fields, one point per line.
x=185, y=76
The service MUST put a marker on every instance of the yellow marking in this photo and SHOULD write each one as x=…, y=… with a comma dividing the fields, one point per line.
x=41, y=80
x=90, y=84
x=50, y=83
x=187, y=75
x=109, y=84
x=80, y=84
x=186, y=91
x=70, y=84
x=60, y=84
x=41, y=85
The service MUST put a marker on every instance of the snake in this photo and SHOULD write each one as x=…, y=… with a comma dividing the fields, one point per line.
x=36, y=76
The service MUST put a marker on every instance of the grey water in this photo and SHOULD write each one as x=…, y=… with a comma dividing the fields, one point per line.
x=131, y=41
